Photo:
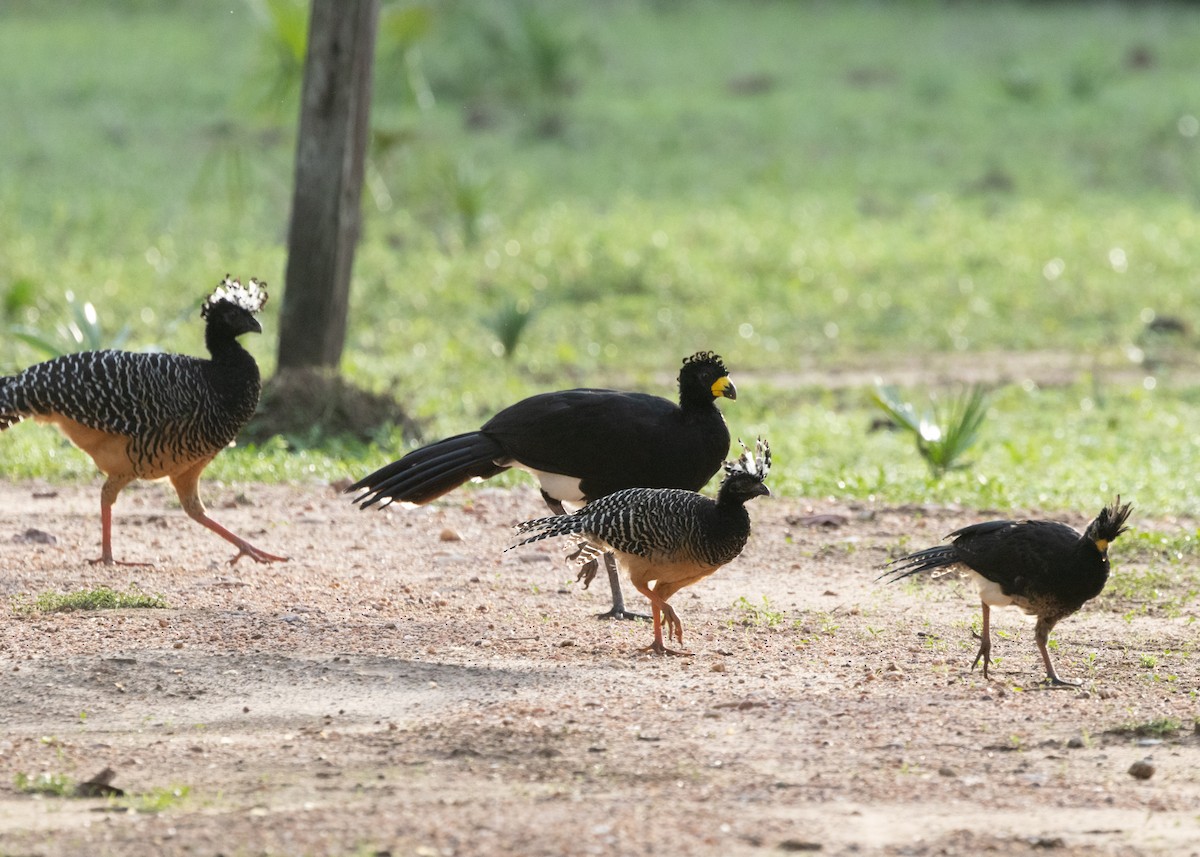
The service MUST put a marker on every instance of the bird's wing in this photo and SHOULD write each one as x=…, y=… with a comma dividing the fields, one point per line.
x=1015, y=554
x=121, y=392
x=611, y=440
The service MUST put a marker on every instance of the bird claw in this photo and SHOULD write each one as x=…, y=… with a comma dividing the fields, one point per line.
x=256, y=555
x=1053, y=682
x=622, y=613
x=110, y=561
x=985, y=655
x=587, y=571
x=658, y=648
x=671, y=620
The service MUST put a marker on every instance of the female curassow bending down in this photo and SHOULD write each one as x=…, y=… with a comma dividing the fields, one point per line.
x=667, y=536
x=1046, y=568
x=146, y=416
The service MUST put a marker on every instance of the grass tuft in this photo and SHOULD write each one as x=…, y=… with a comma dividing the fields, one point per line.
x=83, y=331
x=943, y=434
x=51, y=785
x=508, y=323
x=1163, y=727
x=100, y=598
x=156, y=800
x=758, y=615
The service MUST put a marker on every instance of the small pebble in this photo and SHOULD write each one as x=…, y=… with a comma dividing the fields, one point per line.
x=1142, y=770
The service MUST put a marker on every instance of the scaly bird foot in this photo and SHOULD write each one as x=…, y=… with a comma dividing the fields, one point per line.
x=110, y=561
x=621, y=613
x=658, y=648
x=1053, y=682
x=256, y=555
x=984, y=654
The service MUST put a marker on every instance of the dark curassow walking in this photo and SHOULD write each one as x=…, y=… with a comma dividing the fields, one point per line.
x=580, y=445
x=1047, y=569
x=149, y=416
x=666, y=536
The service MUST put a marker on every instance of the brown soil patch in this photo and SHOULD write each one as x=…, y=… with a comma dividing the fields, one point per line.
x=306, y=405
x=403, y=686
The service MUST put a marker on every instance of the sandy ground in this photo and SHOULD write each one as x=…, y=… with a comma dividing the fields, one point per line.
x=404, y=687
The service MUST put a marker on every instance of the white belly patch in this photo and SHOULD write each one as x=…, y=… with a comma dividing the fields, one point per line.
x=989, y=590
x=565, y=488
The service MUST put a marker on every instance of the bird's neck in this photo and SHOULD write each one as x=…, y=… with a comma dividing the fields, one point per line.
x=232, y=371
x=219, y=338
x=728, y=502
x=700, y=402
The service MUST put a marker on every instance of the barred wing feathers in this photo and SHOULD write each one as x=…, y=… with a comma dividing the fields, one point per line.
x=161, y=401
x=656, y=524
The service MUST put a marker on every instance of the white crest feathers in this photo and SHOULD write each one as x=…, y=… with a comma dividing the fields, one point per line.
x=251, y=297
x=757, y=463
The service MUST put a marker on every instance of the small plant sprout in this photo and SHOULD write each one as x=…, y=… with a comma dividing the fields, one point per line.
x=52, y=785
x=1163, y=727
x=508, y=323
x=82, y=332
x=753, y=614
x=943, y=433
x=828, y=626
x=156, y=800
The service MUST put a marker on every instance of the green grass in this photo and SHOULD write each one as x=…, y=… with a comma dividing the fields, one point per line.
x=1165, y=727
x=60, y=785
x=100, y=598
x=761, y=615
x=51, y=785
x=800, y=187
x=156, y=800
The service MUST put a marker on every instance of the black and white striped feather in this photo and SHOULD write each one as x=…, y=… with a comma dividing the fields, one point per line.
x=165, y=403
x=665, y=524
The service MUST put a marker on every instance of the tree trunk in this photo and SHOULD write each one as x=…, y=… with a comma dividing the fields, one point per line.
x=330, y=152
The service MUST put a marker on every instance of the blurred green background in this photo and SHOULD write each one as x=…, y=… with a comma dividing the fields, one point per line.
x=586, y=191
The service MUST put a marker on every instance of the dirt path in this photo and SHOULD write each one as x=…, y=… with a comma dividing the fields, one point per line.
x=403, y=686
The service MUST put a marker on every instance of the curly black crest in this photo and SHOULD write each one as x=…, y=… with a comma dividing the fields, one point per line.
x=707, y=357
x=1110, y=523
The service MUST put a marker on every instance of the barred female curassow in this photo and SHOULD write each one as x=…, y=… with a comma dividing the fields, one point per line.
x=665, y=535
x=581, y=445
x=1046, y=568
x=146, y=416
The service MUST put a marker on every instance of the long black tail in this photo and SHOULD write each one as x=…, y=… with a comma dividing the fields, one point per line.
x=431, y=471
x=926, y=560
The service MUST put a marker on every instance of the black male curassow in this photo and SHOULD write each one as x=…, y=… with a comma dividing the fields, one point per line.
x=580, y=445
x=666, y=536
x=1047, y=569
x=153, y=415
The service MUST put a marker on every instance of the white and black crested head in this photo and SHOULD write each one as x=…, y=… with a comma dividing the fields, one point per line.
x=1109, y=524
x=232, y=307
x=704, y=378
x=745, y=477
